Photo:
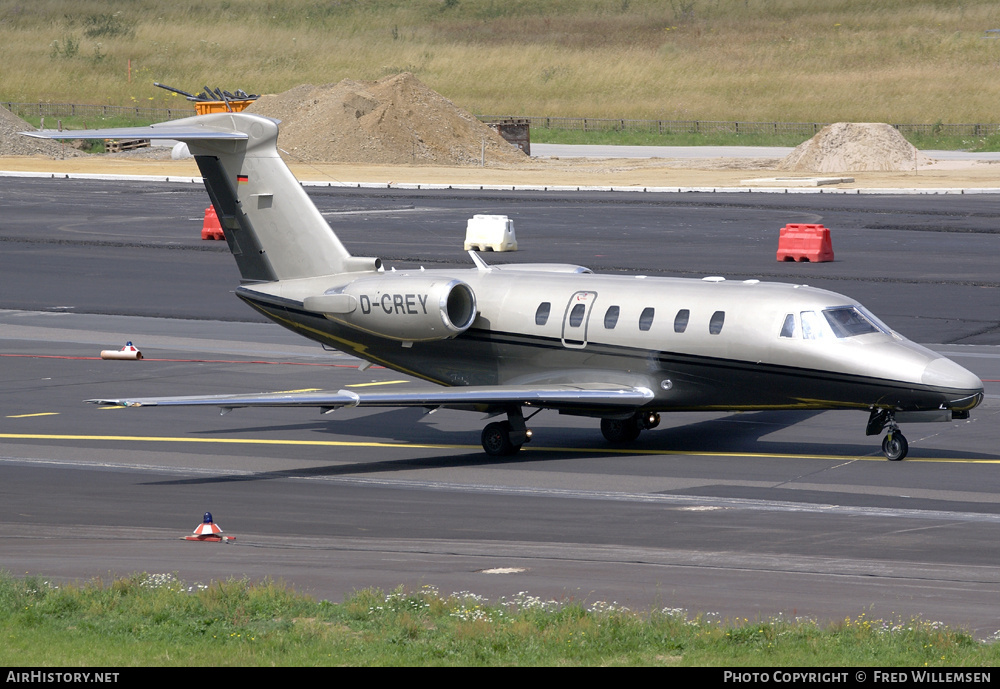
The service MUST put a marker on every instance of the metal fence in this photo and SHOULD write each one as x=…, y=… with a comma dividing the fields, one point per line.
x=803, y=129
x=96, y=112
x=586, y=124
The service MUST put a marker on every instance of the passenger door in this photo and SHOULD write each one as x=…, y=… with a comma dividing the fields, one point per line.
x=574, y=331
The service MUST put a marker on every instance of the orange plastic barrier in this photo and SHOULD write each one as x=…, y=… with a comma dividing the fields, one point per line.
x=805, y=243
x=208, y=107
x=211, y=229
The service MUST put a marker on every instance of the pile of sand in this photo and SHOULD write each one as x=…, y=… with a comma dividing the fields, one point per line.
x=390, y=121
x=854, y=147
x=12, y=143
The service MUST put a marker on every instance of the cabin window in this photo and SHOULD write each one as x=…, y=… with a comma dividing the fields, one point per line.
x=681, y=320
x=542, y=313
x=715, y=324
x=611, y=317
x=576, y=315
x=847, y=321
x=789, y=327
x=646, y=318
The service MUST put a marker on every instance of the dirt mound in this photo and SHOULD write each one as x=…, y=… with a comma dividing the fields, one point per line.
x=390, y=121
x=854, y=147
x=14, y=144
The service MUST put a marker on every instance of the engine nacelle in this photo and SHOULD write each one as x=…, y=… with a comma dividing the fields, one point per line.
x=409, y=308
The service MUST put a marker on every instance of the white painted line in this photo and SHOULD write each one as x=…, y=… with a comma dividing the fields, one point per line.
x=524, y=187
x=797, y=181
x=105, y=177
x=380, y=211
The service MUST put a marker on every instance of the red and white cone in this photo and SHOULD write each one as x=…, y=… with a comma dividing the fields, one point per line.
x=129, y=351
x=208, y=530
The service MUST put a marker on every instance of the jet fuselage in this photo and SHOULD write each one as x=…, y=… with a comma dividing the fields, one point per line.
x=696, y=344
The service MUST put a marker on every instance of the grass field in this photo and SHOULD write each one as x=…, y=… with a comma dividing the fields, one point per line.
x=157, y=620
x=911, y=61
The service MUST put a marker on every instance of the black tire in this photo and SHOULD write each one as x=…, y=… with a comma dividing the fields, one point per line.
x=894, y=446
x=496, y=440
x=620, y=430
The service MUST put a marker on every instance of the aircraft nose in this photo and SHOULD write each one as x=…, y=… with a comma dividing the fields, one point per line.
x=966, y=386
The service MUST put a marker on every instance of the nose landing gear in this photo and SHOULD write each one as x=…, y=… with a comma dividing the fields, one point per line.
x=894, y=445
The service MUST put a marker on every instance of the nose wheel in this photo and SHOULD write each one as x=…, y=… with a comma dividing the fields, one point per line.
x=894, y=445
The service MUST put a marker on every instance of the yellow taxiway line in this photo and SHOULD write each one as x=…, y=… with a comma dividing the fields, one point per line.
x=441, y=446
x=380, y=382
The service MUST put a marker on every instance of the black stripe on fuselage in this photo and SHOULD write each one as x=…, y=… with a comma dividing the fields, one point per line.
x=726, y=383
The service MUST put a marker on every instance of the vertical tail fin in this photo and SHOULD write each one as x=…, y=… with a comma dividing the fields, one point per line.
x=274, y=230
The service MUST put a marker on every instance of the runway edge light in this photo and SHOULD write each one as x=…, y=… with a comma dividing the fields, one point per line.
x=129, y=352
x=208, y=530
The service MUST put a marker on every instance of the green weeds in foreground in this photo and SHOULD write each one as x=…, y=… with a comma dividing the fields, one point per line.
x=147, y=619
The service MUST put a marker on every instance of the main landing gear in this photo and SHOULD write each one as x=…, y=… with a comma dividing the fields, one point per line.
x=894, y=445
x=505, y=438
x=621, y=431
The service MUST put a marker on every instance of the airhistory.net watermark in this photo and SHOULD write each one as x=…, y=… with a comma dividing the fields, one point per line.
x=31, y=676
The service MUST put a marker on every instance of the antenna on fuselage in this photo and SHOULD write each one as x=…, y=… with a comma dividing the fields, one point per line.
x=480, y=263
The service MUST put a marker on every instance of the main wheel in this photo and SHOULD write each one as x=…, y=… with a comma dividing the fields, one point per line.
x=894, y=446
x=496, y=440
x=620, y=430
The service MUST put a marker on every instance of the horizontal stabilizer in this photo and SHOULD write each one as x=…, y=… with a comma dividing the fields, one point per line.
x=188, y=129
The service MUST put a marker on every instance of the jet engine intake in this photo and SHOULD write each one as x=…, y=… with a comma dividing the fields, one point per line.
x=409, y=308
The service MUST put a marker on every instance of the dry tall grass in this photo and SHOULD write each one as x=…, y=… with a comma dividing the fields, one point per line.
x=894, y=60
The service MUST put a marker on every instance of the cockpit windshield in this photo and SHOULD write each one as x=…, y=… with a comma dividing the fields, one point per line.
x=838, y=321
x=848, y=321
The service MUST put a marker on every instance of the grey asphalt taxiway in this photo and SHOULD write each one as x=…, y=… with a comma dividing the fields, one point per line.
x=735, y=515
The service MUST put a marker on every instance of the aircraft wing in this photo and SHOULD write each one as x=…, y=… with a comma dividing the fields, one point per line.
x=477, y=398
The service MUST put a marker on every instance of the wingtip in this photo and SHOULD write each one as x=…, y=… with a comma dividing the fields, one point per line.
x=113, y=403
x=354, y=397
